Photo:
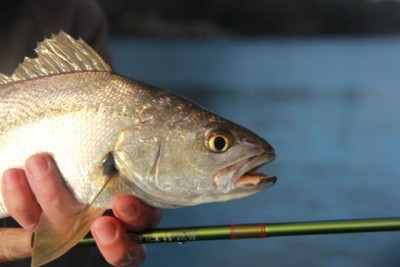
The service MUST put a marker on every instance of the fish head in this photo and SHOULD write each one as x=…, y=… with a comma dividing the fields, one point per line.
x=198, y=158
x=229, y=157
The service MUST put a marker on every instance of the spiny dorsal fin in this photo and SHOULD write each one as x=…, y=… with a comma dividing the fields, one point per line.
x=59, y=54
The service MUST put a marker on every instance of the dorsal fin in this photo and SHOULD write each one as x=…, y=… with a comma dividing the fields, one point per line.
x=59, y=54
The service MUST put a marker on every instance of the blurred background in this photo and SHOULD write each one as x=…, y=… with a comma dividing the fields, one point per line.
x=319, y=79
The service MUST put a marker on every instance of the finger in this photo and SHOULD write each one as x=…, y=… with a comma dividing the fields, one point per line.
x=135, y=214
x=47, y=185
x=19, y=200
x=114, y=243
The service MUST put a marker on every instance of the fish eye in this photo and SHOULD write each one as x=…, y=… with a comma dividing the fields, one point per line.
x=219, y=141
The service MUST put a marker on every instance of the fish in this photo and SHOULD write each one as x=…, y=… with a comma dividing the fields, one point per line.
x=110, y=134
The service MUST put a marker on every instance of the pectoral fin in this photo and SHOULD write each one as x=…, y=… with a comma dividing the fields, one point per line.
x=52, y=239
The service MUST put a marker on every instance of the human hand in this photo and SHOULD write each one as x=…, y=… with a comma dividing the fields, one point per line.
x=41, y=189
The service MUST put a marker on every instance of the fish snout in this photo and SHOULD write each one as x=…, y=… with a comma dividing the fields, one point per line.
x=262, y=146
x=268, y=149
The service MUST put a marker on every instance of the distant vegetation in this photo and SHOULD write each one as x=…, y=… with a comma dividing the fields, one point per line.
x=207, y=18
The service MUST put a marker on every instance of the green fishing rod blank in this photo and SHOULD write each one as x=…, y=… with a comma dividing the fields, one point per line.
x=334, y=227
x=262, y=230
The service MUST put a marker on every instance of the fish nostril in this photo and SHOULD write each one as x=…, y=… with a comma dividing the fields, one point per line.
x=266, y=146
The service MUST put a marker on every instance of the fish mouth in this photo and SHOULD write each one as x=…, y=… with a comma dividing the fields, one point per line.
x=244, y=175
x=253, y=178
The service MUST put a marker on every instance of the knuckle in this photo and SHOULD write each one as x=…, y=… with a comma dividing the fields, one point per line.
x=25, y=215
x=17, y=210
x=50, y=199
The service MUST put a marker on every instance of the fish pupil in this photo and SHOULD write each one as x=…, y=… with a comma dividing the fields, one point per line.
x=219, y=143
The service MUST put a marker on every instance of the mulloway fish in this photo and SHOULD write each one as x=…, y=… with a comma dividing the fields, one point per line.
x=110, y=134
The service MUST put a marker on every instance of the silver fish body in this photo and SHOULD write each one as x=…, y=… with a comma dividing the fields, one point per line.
x=78, y=118
x=167, y=150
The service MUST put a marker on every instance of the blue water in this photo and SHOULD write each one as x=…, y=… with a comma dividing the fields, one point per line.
x=330, y=107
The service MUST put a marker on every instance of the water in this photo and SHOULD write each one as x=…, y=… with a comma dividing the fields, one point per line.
x=331, y=109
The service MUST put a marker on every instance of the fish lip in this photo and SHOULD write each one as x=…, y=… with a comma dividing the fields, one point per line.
x=242, y=175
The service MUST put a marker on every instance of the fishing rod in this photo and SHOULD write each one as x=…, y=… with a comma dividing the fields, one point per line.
x=16, y=243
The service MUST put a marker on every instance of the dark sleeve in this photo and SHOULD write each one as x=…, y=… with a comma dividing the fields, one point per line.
x=36, y=19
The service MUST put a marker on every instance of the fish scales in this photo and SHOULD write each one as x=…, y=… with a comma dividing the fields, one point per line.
x=167, y=151
x=64, y=114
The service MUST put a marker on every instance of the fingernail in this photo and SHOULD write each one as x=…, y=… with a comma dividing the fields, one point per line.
x=128, y=263
x=38, y=166
x=135, y=256
x=11, y=179
x=106, y=232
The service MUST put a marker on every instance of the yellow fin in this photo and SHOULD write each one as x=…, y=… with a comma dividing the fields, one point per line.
x=53, y=239
x=59, y=54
